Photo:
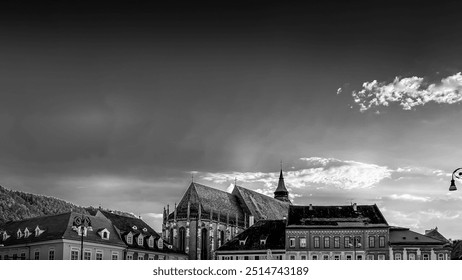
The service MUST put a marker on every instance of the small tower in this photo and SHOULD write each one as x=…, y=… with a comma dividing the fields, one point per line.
x=281, y=192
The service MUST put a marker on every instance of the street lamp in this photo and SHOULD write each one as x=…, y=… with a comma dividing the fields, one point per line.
x=452, y=187
x=83, y=224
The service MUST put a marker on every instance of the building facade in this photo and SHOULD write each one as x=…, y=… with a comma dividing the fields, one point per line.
x=206, y=218
x=59, y=237
x=406, y=244
x=336, y=233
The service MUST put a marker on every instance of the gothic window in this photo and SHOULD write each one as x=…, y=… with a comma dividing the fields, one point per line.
x=371, y=241
x=316, y=241
x=337, y=242
x=182, y=240
x=204, y=244
x=326, y=242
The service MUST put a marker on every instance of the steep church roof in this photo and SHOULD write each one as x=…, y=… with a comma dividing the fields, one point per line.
x=281, y=192
x=209, y=199
x=261, y=206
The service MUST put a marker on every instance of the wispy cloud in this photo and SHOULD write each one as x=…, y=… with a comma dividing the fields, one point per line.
x=318, y=172
x=409, y=92
x=409, y=197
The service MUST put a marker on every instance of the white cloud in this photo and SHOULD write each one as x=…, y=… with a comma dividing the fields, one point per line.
x=153, y=215
x=319, y=172
x=409, y=197
x=409, y=92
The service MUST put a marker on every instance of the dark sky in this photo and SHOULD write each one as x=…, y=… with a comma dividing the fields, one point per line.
x=117, y=103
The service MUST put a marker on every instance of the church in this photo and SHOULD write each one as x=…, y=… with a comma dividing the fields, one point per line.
x=206, y=217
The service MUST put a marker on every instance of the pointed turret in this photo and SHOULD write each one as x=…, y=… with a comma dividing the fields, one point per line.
x=281, y=192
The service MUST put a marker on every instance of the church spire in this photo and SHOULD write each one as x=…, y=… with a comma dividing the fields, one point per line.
x=281, y=192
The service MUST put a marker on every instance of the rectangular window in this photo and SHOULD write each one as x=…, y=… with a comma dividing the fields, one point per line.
x=337, y=242
x=348, y=257
x=371, y=241
x=398, y=256
x=412, y=256
x=37, y=255
x=246, y=257
x=425, y=257
x=292, y=258
x=316, y=242
x=257, y=257
x=292, y=242
x=141, y=258
x=440, y=257
x=99, y=255
x=326, y=242
x=357, y=241
x=381, y=241
x=74, y=254
x=346, y=242
x=303, y=257
x=302, y=242
x=337, y=257
x=23, y=256
x=129, y=257
x=381, y=257
x=87, y=255
x=51, y=254
x=325, y=257
x=314, y=258
x=370, y=257
x=114, y=256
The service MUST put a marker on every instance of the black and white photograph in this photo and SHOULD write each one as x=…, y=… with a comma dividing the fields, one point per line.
x=231, y=130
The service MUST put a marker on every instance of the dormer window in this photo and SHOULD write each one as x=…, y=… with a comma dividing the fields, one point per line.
x=140, y=240
x=145, y=230
x=5, y=236
x=263, y=239
x=134, y=227
x=104, y=233
x=38, y=231
x=130, y=238
x=160, y=243
x=151, y=241
x=242, y=241
x=26, y=233
x=18, y=234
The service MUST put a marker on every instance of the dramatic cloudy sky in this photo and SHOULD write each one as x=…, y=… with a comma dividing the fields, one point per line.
x=118, y=105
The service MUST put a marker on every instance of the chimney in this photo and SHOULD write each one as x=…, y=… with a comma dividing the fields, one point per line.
x=355, y=207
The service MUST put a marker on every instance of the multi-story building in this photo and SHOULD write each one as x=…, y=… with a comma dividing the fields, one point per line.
x=206, y=218
x=262, y=241
x=406, y=244
x=55, y=237
x=105, y=236
x=336, y=233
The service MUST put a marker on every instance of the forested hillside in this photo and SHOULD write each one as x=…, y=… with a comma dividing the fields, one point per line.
x=16, y=205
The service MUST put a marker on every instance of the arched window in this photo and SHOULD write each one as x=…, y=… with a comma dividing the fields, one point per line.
x=182, y=241
x=221, y=238
x=204, y=247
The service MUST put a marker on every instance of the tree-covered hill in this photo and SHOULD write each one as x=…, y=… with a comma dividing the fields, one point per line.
x=17, y=205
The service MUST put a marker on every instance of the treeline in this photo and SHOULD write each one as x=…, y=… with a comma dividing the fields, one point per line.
x=17, y=205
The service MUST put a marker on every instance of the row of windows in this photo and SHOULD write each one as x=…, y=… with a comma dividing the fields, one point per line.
x=140, y=240
x=412, y=256
x=278, y=257
x=36, y=256
x=75, y=255
x=348, y=242
x=338, y=257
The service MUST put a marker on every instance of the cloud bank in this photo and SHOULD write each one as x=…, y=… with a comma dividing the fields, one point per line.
x=409, y=92
x=317, y=172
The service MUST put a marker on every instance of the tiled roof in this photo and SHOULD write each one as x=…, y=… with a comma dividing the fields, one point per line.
x=401, y=236
x=124, y=225
x=261, y=206
x=58, y=227
x=344, y=216
x=273, y=231
x=434, y=233
x=209, y=199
